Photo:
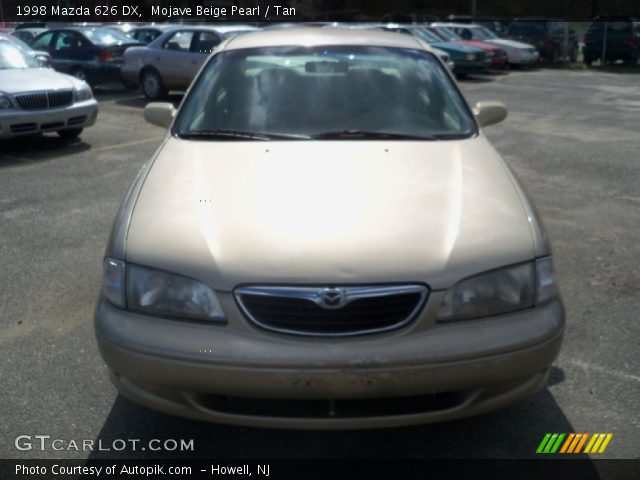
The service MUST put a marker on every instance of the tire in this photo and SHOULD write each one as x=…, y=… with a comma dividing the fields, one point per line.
x=152, y=85
x=70, y=133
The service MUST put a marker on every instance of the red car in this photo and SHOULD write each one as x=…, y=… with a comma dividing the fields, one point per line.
x=495, y=53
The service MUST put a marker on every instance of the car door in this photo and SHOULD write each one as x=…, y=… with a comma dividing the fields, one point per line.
x=71, y=51
x=173, y=59
x=203, y=44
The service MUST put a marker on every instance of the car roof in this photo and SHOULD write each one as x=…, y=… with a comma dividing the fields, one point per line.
x=312, y=37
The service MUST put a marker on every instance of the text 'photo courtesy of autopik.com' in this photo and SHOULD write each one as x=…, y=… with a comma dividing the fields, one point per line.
x=309, y=239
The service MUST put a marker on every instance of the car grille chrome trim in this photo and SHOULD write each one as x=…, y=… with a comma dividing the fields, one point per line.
x=331, y=311
x=44, y=100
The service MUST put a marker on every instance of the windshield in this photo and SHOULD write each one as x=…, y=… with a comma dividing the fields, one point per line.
x=11, y=56
x=19, y=43
x=325, y=93
x=106, y=36
x=483, y=33
x=447, y=34
x=426, y=35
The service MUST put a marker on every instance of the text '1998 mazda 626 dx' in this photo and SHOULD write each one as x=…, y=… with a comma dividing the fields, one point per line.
x=326, y=239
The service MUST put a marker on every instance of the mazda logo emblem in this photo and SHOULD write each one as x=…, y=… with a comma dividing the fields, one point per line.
x=332, y=298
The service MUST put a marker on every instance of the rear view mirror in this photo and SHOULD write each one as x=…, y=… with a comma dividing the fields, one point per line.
x=490, y=113
x=159, y=114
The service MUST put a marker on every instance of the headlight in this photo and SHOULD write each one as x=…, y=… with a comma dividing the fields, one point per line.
x=83, y=93
x=5, y=103
x=492, y=293
x=159, y=293
x=470, y=56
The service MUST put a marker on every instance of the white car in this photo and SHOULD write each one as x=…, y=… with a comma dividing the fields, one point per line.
x=518, y=53
x=35, y=99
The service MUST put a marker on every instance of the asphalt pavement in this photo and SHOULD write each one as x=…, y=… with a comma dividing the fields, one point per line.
x=571, y=137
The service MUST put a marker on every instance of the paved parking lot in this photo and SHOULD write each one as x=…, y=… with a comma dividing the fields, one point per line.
x=572, y=137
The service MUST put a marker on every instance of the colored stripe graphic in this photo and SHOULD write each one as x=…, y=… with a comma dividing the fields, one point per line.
x=573, y=443
x=543, y=443
x=556, y=446
x=606, y=441
x=581, y=443
x=567, y=443
x=594, y=437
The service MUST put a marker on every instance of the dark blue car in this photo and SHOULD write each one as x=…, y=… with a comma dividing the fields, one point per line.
x=93, y=54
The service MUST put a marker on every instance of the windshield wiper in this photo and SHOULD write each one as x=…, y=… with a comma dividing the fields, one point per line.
x=239, y=135
x=366, y=134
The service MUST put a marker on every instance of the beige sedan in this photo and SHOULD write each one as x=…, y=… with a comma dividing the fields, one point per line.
x=172, y=60
x=326, y=239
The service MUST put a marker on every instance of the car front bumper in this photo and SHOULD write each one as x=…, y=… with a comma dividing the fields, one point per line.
x=16, y=122
x=246, y=376
x=523, y=58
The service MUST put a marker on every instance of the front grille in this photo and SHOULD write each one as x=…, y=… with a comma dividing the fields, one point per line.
x=44, y=100
x=340, y=408
x=331, y=311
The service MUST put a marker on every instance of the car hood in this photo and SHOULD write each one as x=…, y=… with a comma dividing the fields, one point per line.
x=481, y=44
x=30, y=79
x=512, y=44
x=328, y=212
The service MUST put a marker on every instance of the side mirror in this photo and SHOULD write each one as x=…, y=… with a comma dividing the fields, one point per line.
x=490, y=113
x=159, y=114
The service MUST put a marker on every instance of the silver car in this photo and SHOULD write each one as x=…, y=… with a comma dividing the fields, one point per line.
x=34, y=99
x=172, y=60
x=326, y=239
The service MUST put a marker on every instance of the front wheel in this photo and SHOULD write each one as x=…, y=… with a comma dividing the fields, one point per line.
x=152, y=85
x=70, y=133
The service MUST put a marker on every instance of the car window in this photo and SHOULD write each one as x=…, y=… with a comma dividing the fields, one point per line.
x=67, y=41
x=43, y=42
x=106, y=36
x=619, y=27
x=426, y=35
x=145, y=36
x=179, y=41
x=206, y=42
x=310, y=91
